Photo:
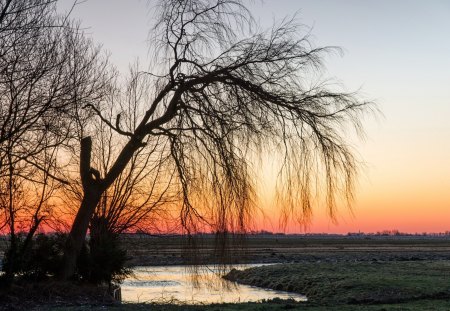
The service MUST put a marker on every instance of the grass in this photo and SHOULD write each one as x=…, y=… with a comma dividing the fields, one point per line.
x=365, y=286
x=336, y=273
x=355, y=283
x=422, y=305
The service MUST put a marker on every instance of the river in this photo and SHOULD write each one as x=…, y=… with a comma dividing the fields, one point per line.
x=175, y=284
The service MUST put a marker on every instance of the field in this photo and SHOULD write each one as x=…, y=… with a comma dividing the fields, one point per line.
x=355, y=283
x=335, y=272
x=175, y=250
x=167, y=250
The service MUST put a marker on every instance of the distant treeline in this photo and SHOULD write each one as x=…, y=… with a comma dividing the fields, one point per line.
x=269, y=233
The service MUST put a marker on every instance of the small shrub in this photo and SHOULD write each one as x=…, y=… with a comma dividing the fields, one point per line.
x=103, y=260
x=39, y=259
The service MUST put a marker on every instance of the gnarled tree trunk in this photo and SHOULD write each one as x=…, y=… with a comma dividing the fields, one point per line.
x=93, y=189
x=78, y=232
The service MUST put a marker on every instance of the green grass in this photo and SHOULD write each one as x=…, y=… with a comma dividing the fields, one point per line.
x=365, y=286
x=355, y=283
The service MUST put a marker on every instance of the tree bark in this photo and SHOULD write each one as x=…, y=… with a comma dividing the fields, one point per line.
x=93, y=190
x=78, y=233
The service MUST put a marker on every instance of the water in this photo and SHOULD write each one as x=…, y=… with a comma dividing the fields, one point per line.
x=175, y=284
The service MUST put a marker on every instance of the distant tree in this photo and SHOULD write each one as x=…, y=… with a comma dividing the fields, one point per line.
x=221, y=94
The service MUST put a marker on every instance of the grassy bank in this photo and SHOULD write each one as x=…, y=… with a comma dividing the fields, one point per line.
x=358, y=283
x=366, y=286
x=336, y=273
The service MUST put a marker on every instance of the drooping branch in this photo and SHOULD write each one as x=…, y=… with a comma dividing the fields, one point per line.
x=221, y=96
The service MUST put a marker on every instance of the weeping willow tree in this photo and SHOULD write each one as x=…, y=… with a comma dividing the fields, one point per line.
x=221, y=92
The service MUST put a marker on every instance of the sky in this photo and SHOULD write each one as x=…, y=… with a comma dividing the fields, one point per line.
x=396, y=53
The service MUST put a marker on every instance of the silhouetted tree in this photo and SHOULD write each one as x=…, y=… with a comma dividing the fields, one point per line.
x=222, y=93
x=25, y=203
x=138, y=198
x=48, y=70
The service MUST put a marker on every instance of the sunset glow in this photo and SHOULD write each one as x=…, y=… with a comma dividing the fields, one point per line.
x=395, y=53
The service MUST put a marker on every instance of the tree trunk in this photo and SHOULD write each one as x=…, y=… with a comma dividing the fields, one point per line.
x=93, y=189
x=11, y=262
x=78, y=233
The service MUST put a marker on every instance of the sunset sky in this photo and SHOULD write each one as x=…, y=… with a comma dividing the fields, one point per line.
x=396, y=53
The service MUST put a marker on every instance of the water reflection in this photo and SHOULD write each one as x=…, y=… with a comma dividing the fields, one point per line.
x=175, y=283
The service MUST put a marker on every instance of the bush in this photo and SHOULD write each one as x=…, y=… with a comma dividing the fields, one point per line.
x=102, y=260
x=38, y=260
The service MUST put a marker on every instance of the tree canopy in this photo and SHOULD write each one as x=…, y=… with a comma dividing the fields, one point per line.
x=184, y=134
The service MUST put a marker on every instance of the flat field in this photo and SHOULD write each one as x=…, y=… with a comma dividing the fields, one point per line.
x=174, y=250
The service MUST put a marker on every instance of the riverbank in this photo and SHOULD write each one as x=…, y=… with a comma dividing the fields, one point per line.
x=430, y=305
x=336, y=273
x=345, y=284
x=366, y=286
x=46, y=295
